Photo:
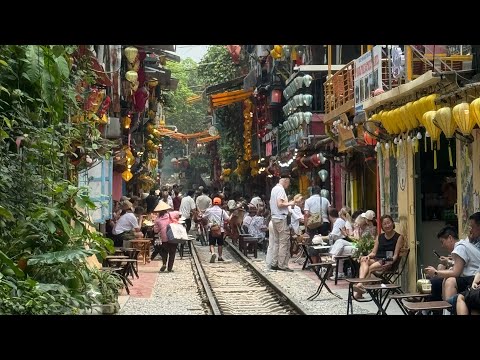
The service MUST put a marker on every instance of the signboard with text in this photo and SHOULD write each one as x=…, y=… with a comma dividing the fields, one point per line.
x=368, y=76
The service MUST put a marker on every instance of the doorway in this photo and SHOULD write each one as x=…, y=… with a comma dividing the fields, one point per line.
x=436, y=195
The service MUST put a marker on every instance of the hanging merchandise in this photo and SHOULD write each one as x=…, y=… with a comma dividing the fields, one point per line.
x=127, y=175
x=434, y=132
x=323, y=175
x=461, y=115
x=444, y=120
x=475, y=110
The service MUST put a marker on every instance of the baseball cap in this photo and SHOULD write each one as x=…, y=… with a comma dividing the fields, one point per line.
x=369, y=215
x=217, y=201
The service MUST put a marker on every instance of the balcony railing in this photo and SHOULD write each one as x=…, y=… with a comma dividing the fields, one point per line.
x=339, y=89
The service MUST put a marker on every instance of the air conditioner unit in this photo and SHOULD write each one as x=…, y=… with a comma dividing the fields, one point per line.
x=113, y=129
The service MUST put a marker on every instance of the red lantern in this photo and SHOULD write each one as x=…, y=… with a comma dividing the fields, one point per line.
x=276, y=97
x=368, y=139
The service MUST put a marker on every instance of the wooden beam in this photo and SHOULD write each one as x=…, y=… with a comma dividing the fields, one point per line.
x=349, y=106
x=402, y=91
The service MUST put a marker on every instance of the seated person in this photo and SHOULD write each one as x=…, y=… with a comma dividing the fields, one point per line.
x=247, y=219
x=466, y=260
x=468, y=302
x=257, y=226
x=127, y=226
x=377, y=260
x=334, y=236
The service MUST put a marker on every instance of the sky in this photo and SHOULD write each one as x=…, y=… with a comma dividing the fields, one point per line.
x=195, y=52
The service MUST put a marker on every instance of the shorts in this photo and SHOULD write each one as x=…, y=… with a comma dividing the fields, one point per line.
x=215, y=240
x=472, y=298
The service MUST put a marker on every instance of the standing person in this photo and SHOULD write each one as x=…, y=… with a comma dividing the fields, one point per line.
x=216, y=216
x=203, y=202
x=171, y=247
x=279, y=242
x=152, y=200
x=296, y=213
x=317, y=204
x=160, y=228
x=177, y=200
x=186, y=207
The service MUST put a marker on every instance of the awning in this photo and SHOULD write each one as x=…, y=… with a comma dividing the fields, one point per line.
x=229, y=97
x=227, y=85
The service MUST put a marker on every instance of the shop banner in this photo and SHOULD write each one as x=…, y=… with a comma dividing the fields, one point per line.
x=368, y=76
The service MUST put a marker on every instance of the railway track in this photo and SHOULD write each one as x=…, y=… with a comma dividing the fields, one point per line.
x=236, y=287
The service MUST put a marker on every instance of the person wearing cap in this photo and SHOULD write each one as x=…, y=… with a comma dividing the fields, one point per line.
x=279, y=242
x=127, y=227
x=160, y=229
x=371, y=228
x=216, y=215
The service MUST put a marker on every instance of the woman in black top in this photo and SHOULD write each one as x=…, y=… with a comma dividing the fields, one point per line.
x=378, y=260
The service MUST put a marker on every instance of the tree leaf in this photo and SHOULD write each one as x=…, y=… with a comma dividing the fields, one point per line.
x=5, y=213
x=3, y=134
x=35, y=65
x=3, y=62
x=58, y=50
x=63, y=256
x=62, y=66
x=51, y=227
x=7, y=261
x=8, y=122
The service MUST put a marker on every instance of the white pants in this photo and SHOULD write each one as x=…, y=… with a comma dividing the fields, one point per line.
x=341, y=247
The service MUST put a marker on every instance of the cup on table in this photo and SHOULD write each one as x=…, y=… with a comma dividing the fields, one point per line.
x=389, y=255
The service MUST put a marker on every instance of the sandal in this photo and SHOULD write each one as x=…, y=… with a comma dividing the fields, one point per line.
x=359, y=289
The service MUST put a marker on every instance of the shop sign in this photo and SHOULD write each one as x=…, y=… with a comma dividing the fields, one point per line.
x=368, y=76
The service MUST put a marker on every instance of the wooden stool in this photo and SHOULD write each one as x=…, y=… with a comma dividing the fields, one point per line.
x=351, y=283
x=248, y=244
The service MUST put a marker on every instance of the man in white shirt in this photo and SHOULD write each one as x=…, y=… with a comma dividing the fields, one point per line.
x=466, y=261
x=203, y=201
x=216, y=216
x=127, y=227
x=186, y=207
x=279, y=242
x=317, y=204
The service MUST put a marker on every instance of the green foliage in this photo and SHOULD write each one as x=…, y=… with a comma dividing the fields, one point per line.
x=364, y=245
x=220, y=67
x=42, y=216
x=108, y=285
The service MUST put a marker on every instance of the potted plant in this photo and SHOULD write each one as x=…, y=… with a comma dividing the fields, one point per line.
x=109, y=284
x=364, y=245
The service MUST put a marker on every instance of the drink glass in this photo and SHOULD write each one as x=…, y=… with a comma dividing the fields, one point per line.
x=389, y=255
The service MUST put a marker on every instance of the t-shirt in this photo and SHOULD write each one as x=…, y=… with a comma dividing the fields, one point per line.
x=127, y=222
x=203, y=202
x=214, y=216
x=186, y=206
x=312, y=205
x=296, y=215
x=278, y=192
x=470, y=254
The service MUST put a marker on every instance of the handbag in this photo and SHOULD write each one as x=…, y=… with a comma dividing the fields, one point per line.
x=215, y=229
x=315, y=220
x=177, y=234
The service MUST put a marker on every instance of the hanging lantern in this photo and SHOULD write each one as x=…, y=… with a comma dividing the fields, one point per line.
x=475, y=110
x=127, y=175
x=131, y=76
x=443, y=119
x=131, y=54
x=323, y=175
x=461, y=115
x=324, y=193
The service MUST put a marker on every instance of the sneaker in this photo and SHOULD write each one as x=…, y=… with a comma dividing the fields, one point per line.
x=286, y=269
x=212, y=259
x=170, y=270
x=275, y=267
x=220, y=259
x=162, y=269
